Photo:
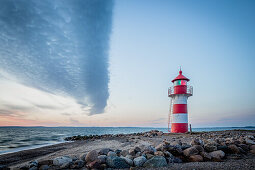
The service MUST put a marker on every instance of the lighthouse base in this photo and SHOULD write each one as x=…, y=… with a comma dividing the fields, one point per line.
x=179, y=127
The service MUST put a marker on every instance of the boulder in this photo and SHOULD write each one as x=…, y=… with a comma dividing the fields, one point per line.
x=91, y=156
x=149, y=149
x=117, y=151
x=196, y=158
x=111, y=153
x=149, y=156
x=217, y=155
x=210, y=147
x=199, y=148
x=139, y=161
x=234, y=148
x=59, y=161
x=155, y=162
x=190, y=151
x=104, y=151
x=102, y=158
x=128, y=161
x=252, y=147
x=117, y=162
x=83, y=156
x=206, y=156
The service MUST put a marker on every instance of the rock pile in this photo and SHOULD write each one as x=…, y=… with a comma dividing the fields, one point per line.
x=164, y=154
x=151, y=134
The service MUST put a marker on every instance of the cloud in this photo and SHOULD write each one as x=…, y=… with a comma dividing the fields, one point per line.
x=58, y=47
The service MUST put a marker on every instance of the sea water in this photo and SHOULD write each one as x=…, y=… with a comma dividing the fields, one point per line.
x=14, y=139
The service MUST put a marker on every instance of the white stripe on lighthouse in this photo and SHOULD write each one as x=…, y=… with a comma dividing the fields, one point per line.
x=179, y=118
x=180, y=99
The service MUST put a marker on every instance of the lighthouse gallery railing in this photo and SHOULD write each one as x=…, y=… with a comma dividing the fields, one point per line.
x=189, y=91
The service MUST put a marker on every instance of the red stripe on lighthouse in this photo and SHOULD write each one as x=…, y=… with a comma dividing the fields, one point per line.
x=179, y=108
x=179, y=127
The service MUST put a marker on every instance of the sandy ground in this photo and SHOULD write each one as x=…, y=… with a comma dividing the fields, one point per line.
x=77, y=148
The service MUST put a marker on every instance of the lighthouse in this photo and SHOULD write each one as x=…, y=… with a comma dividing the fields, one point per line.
x=179, y=93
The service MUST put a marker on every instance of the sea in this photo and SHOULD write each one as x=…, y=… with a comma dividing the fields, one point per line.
x=13, y=139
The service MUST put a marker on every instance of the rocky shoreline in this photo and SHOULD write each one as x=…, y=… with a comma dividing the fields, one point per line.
x=153, y=149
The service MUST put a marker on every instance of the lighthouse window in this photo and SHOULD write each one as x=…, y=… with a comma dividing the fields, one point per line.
x=180, y=82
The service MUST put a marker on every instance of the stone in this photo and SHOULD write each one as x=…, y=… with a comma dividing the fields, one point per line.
x=124, y=153
x=206, y=156
x=95, y=164
x=185, y=146
x=217, y=155
x=199, y=148
x=44, y=167
x=159, y=153
x=252, y=151
x=130, y=157
x=155, y=162
x=168, y=154
x=102, y=158
x=77, y=164
x=117, y=162
x=249, y=141
x=33, y=168
x=196, y=158
x=224, y=148
x=104, y=151
x=210, y=147
x=139, y=161
x=111, y=153
x=234, y=148
x=196, y=141
x=190, y=151
x=128, y=161
x=149, y=149
x=91, y=156
x=59, y=161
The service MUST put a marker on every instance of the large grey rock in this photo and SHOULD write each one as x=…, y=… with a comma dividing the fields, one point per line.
x=77, y=164
x=190, y=151
x=129, y=161
x=155, y=162
x=249, y=141
x=102, y=158
x=206, y=156
x=117, y=162
x=44, y=167
x=91, y=156
x=139, y=161
x=217, y=155
x=149, y=149
x=59, y=161
x=111, y=153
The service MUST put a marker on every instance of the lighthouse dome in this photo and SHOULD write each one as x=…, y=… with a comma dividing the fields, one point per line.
x=180, y=77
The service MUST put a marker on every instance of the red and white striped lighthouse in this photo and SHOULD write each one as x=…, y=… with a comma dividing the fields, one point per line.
x=179, y=93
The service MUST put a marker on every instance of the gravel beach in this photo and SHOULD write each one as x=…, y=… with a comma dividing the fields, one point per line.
x=233, y=149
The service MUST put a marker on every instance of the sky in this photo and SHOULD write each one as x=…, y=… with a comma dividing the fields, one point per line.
x=111, y=63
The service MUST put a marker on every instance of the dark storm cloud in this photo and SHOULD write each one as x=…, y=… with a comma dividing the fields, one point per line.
x=58, y=46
